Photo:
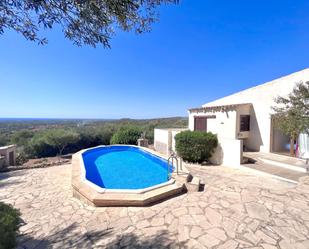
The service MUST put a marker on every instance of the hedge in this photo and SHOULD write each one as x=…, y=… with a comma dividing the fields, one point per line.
x=9, y=219
x=195, y=146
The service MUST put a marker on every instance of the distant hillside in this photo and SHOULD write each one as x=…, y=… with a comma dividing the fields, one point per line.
x=11, y=128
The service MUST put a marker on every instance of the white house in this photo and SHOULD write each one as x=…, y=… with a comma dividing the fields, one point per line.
x=243, y=121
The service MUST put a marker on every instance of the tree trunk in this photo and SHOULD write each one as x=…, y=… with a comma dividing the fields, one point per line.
x=60, y=151
x=292, y=152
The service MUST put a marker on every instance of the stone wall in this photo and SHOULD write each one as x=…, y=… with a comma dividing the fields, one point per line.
x=5, y=152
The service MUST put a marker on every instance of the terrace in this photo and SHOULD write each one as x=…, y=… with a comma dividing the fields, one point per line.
x=238, y=208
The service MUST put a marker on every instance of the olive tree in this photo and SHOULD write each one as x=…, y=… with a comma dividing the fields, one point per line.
x=292, y=113
x=88, y=22
x=61, y=138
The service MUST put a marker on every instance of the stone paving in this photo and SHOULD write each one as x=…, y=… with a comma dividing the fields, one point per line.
x=238, y=209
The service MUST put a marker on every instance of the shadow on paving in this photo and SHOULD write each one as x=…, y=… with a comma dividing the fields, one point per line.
x=4, y=178
x=69, y=237
x=72, y=237
x=161, y=239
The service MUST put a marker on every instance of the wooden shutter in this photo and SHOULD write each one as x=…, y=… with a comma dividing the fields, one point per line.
x=200, y=123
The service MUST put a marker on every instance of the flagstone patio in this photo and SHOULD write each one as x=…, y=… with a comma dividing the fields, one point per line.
x=238, y=209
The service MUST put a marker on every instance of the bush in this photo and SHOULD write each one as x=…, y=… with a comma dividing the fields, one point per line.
x=9, y=219
x=195, y=146
x=21, y=158
x=126, y=135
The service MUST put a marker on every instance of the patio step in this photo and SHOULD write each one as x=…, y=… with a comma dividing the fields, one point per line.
x=279, y=172
x=275, y=160
x=301, y=168
x=192, y=183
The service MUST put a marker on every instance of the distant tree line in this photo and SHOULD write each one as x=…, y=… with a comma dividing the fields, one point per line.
x=64, y=138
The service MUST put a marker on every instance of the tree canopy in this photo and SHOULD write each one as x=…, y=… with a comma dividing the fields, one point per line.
x=292, y=112
x=90, y=22
x=61, y=138
x=126, y=135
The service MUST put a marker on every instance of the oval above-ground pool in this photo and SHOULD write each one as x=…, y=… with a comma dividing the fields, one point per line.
x=124, y=167
x=122, y=175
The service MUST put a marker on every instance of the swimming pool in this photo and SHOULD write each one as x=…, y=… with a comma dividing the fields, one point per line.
x=124, y=168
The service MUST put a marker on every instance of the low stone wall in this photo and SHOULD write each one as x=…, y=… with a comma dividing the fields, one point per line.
x=42, y=163
x=9, y=154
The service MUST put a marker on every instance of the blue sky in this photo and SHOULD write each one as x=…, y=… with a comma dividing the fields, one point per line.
x=197, y=52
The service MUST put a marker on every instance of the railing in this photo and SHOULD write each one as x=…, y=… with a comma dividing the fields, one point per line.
x=170, y=162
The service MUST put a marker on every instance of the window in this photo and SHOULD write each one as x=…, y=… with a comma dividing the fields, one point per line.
x=244, y=123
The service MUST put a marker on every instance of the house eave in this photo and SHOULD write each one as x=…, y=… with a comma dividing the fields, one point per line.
x=218, y=108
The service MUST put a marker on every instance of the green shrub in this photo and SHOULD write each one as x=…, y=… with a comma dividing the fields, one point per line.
x=195, y=146
x=126, y=135
x=9, y=219
x=21, y=158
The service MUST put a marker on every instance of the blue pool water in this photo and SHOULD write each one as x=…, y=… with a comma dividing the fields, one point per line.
x=124, y=167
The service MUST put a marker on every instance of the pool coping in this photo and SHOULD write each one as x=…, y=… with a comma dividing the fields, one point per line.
x=95, y=195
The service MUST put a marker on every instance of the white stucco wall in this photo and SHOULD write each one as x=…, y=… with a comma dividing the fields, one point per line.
x=262, y=98
x=229, y=152
x=174, y=132
x=162, y=140
x=224, y=125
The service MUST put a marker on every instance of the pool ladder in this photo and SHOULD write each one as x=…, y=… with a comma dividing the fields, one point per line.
x=170, y=162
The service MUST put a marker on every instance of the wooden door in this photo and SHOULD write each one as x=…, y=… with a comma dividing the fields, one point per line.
x=11, y=158
x=200, y=123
